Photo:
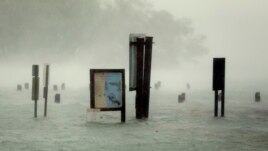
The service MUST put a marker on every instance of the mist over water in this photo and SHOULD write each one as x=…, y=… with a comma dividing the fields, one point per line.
x=74, y=36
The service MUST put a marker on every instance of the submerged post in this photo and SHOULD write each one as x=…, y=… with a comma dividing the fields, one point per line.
x=46, y=78
x=19, y=87
x=35, y=87
x=26, y=85
x=257, y=97
x=57, y=98
x=63, y=86
x=55, y=87
x=219, y=83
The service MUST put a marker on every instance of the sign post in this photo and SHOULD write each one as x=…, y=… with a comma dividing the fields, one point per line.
x=219, y=83
x=107, y=90
x=35, y=87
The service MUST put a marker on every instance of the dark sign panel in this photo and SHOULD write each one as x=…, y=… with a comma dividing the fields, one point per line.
x=218, y=73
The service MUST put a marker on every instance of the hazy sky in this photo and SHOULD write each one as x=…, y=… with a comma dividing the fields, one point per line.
x=74, y=32
x=235, y=29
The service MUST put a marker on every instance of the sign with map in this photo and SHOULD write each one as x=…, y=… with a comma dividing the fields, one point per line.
x=107, y=88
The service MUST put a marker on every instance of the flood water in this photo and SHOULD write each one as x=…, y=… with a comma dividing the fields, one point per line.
x=171, y=126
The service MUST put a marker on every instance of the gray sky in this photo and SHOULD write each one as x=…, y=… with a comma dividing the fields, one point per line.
x=235, y=29
x=68, y=33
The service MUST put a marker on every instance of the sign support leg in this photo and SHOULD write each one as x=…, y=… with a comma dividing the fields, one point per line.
x=216, y=104
x=222, y=103
x=35, y=108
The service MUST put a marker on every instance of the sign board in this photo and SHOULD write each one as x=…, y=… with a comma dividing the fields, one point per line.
x=133, y=60
x=107, y=89
x=218, y=73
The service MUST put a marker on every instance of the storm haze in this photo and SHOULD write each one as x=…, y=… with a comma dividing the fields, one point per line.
x=74, y=36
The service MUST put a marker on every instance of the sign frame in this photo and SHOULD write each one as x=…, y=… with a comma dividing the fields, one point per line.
x=92, y=90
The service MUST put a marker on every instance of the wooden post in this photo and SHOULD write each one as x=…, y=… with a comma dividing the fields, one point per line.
x=147, y=74
x=55, y=87
x=57, y=98
x=19, y=87
x=257, y=97
x=63, y=86
x=26, y=86
x=139, y=89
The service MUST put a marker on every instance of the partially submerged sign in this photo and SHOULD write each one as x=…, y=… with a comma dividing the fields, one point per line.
x=133, y=60
x=107, y=90
x=57, y=98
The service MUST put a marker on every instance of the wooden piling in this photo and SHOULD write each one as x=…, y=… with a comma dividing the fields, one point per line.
x=139, y=89
x=147, y=74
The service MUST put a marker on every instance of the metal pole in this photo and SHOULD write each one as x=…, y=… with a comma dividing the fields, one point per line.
x=45, y=111
x=35, y=108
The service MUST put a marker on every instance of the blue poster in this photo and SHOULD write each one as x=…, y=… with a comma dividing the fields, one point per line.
x=108, y=90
